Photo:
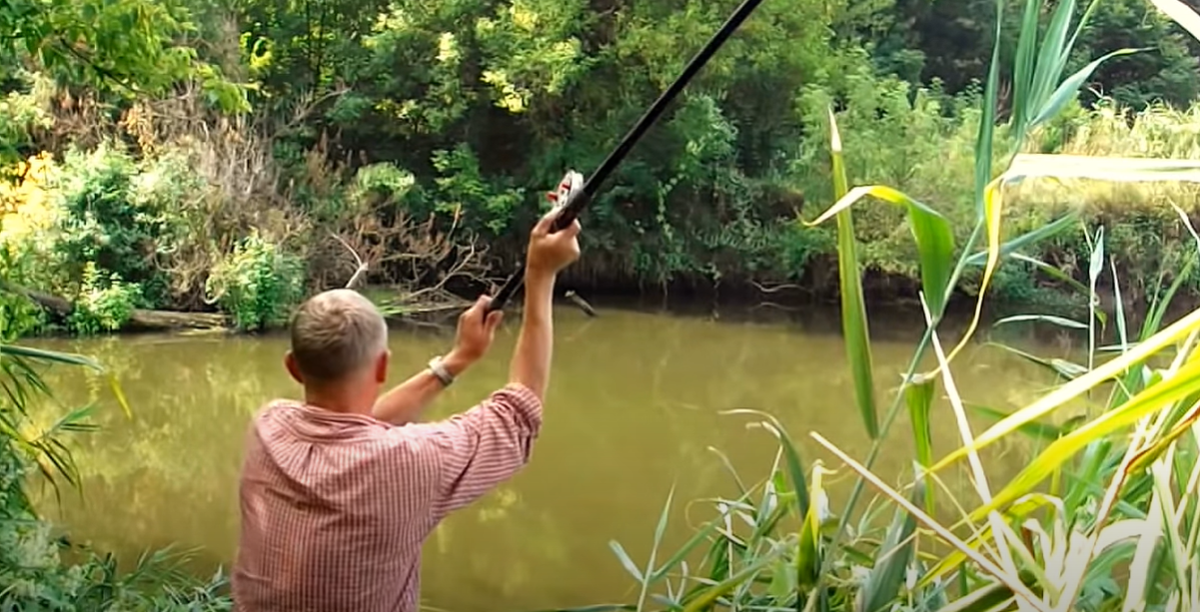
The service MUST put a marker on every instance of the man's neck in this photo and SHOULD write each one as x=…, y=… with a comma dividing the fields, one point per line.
x=340, y=401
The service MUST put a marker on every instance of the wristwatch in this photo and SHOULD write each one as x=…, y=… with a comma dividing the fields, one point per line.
x=439, y=370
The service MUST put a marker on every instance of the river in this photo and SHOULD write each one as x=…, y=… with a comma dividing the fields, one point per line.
x=633, y=409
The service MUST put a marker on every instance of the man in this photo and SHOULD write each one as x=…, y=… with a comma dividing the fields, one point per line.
x=339, y=492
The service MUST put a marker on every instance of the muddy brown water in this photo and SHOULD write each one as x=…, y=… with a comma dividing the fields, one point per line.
x=634, y=408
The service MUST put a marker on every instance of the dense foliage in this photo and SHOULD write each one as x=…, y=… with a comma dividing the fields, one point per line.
x=430, y=130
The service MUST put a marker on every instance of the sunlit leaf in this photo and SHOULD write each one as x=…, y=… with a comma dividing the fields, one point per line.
x=1152, y=453
x=1182, y=14
x=1015, y=514
x=1109, y=169
x=855, y=325
x=808, y=556
x=1185, y=382
x=1079, y=386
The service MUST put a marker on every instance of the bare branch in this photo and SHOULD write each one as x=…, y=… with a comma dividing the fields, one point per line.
x=362, y=265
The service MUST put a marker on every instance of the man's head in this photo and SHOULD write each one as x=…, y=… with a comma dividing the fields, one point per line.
x=339, y=343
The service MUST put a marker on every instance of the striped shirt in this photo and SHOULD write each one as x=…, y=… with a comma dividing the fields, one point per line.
x=335, y=507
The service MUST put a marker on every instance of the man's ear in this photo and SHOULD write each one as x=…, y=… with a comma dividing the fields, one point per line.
x=289, y=361
x=381, y=366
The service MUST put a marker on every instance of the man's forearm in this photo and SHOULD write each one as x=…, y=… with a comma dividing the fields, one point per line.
x=405, y=402
x=531, y=358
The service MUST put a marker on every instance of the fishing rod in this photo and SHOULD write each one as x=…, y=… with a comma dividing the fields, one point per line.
x=573, y=198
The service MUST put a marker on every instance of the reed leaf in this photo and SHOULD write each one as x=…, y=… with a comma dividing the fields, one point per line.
x=1069, y=88
x=1016, y=513
x=1079, y=386
x=1062, y=367
x=931, y=231
x=1037, y=431
x=987, y=565
x=1180, y=13
x=1109, y=169
x=886, y=579
x=1025, y=63
x=918, y=397
x=1052, y=272
x=625, y=560
x=855, y=326
x=1153, y=452
x=24, y=354
x=1095, y=268
x=596, y=608
x=808, y=555
x=1042, y=318
x=1184, y=383
x=791, y=455
x=987, y=122
x=671, y=563
x=707, y=597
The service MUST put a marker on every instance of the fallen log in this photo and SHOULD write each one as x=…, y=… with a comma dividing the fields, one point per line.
x=145, y=320
x=166, y=320
x=170, y=319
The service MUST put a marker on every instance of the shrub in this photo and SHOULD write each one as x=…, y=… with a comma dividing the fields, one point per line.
x=110, y=217
x=105, y=303
x=257, y=284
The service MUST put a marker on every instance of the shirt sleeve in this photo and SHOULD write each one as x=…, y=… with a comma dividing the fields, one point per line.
x=476, y=450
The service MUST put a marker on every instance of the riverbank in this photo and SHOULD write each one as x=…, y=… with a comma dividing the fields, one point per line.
x=116, y=229
x=886, y=295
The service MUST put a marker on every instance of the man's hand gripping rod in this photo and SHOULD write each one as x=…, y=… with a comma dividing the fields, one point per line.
x=577, y=198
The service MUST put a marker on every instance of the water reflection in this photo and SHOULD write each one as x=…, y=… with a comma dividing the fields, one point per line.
x=633, y=409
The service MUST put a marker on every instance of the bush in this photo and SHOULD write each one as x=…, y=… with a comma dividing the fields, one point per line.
x=257, y=284
x=112, y=218
x=104, y=304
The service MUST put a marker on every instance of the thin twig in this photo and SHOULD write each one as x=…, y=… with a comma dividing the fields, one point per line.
x=362, y=265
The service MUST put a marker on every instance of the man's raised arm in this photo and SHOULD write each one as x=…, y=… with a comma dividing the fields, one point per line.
x=487, y=445
x=548, y=253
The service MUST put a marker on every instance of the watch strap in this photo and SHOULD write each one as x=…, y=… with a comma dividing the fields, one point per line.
x=439, y=370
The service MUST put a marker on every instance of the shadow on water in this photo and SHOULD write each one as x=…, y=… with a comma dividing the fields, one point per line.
x=633, y=409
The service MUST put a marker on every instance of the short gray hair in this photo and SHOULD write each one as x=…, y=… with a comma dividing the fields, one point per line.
x=335, y=333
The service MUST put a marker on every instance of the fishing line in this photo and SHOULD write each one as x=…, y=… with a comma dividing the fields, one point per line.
x=572, y=198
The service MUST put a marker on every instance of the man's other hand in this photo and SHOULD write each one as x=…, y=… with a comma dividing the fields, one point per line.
x=477, y=329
